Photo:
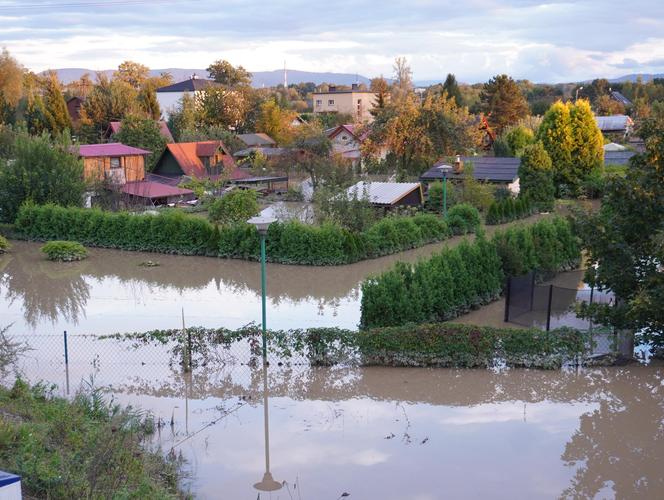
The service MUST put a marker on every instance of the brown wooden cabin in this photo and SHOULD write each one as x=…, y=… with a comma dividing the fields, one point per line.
x=114, y=161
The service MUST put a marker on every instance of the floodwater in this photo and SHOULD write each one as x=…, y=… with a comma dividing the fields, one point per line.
x=392, y=433
x=112, y=292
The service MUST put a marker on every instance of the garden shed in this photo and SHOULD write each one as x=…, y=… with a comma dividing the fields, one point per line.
x=388, y=194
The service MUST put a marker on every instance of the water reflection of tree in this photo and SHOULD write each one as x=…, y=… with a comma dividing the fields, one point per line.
x=46, y=289
x=621, y=443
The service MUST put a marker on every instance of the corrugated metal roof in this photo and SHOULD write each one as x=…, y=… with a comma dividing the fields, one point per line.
x=620, y=98
x=258, y=139
x=382, y=193
x=614, y=123
x=152, y=190
x=110, y=149
x=612, y=146
x=485, y=168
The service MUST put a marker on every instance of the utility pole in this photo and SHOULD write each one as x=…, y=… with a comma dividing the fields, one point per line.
x=285, y=75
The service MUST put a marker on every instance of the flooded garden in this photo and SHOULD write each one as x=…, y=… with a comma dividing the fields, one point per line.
x=329, y=432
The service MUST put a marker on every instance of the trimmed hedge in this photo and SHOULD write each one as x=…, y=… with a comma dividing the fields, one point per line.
x=439, y=344
x=290, y=242
x=456, y=280
x=509, y=209
x=4, y=244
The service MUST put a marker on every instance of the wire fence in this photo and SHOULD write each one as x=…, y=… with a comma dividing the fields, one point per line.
x=551, y=306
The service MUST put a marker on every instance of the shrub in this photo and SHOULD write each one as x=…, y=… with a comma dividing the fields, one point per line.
x=4, y=244
x=508, y=209
x=64, y=251
x=235, y=207
x=536, y=177
x=463, y=218
x=456, y=280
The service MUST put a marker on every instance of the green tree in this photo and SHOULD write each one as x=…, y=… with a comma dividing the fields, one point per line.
x=55, y=107
x=43, y=171
x=234, y=208
x=587, y=141
x=276, y=122
x=452, y=88
x=109, y=100
x=225, y=107
x=147, y=101
x=625, y=241
x=143, y=133
x=536, y=176
x=451, y=128
x=555, y=133
x=225, y=73
x=518, y=138
x=184, y=118
x=503, y=102
x=132, y=73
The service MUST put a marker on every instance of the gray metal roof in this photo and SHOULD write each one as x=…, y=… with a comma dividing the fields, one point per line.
x=620, y=98
x=257, y=139
x=382, y=193
x=617, y=157
x=191, y=85
x=268, y=152
x=613, y=123
x=485, y=168
x=612, y=146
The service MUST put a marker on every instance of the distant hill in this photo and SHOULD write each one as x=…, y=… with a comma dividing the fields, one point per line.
x=260, y=78
x=646, y=77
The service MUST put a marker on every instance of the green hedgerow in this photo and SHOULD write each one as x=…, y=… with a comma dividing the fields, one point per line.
x=4, y=244
x=64, y=251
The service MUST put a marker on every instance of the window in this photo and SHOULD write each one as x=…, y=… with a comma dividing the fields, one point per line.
x=319, y=102
x=359, y=101
x=115, y=162
x=330, y=102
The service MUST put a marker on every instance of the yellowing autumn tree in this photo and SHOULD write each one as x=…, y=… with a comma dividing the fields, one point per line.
x=276, y=122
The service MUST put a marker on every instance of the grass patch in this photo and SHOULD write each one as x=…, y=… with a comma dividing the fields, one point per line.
x=84, y=448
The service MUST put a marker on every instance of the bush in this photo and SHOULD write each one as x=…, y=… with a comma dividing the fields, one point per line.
x=235, y=207
x=64, y=251
x=4, y=244
x=463, y=219
x=290, y=242
x=536, y=177
x=508, y=209
x=456, y=280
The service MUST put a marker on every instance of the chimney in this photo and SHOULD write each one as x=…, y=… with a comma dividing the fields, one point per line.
x=355, y=86
x=458, y=165
x=332, y=88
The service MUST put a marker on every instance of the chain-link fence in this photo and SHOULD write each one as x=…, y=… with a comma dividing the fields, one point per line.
x=551, y=306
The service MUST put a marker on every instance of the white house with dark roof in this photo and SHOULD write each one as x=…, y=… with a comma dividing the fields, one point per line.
x=169, y=97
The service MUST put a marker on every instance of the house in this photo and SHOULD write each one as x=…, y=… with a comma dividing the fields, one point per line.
x=347, y=142
x=355, y=102
x=615, y=126
x=615, y=154
x=113, y=161
x=259, y=140
x=114, y=128
x=169, y=97
x=503, y=171
x=74, y=109
x=388, y=194
x=199, y=160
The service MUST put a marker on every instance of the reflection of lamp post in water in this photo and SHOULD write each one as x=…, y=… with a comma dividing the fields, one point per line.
x=268, y=483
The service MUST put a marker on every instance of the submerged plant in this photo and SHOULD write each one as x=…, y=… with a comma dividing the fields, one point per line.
x=64, y=251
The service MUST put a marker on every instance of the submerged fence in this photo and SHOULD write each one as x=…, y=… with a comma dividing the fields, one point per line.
x=548, y=306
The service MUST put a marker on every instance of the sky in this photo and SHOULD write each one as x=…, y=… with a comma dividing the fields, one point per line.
x=474, y=39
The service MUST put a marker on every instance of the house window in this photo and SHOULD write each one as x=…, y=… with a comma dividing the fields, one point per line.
x=319, y=102
x=330, y=102
x=344, y=138
x=115, y=162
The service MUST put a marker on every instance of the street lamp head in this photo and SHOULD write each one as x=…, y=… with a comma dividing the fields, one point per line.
x=261, y=223
x=268, y=483
x=445, y=169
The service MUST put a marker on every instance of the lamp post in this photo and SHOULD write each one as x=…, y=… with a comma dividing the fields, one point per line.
x=576, y=98
x=262, y=224
x=445, y=169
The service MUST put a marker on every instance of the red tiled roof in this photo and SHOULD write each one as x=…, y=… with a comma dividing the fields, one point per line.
x=153, y=189
x=110, y=149
x=186, y=154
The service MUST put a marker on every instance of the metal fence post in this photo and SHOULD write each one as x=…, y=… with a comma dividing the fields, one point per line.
x=548, y=309
x=66, y=350
x=507, y=299
x=532, y=291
